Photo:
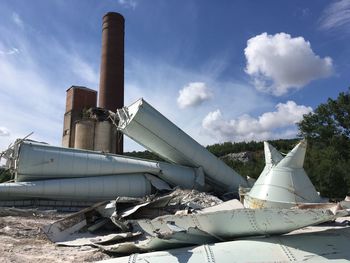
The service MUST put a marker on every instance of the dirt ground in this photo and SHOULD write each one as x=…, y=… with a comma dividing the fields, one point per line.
x=22, y=240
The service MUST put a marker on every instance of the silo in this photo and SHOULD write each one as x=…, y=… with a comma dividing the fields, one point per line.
x=114, y=140
x=32, y=161
x=147, y=126
x=103, y=136
x=78, y=98
x=84, y=135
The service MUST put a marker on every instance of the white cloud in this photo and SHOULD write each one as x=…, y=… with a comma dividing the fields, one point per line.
x=17, y=20
x=128, y=3
x=84, y=71
x=336, y=15
x=270, y=125
x=162, y=89
x=4, y=131
x=193, y=94
x=29, y=102
x=33, y=91
x=10, y=51
x=278, y=63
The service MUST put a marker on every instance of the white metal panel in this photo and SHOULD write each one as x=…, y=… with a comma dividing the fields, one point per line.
x=283, y=181
x=242, y=222
x=295, y=158
x=326, y=246
x=142, y=123
x=272, y=156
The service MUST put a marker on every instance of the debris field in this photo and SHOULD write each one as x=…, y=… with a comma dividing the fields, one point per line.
x=190, y=208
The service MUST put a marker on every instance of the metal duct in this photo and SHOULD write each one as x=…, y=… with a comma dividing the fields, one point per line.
x=79, y=189
x=34, y=161
x=144, y=124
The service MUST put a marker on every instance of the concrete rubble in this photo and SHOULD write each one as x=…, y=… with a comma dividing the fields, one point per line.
x=185, y=207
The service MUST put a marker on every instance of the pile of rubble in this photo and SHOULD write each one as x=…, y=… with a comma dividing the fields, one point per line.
x=22, y=239
x=128, y=226
x=142, y=206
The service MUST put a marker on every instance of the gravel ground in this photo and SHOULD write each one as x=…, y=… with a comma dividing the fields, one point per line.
x=22, y=240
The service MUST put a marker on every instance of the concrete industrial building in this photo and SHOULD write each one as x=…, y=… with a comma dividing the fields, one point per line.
x=79, y=129
x=78, y=99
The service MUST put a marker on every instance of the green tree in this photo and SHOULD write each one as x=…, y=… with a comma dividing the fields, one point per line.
x=327, y=130
x=5, y=175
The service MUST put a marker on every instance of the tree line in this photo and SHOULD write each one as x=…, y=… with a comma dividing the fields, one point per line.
x=327, y=130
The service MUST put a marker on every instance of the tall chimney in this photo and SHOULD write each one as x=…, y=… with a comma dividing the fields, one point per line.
x=111, y=93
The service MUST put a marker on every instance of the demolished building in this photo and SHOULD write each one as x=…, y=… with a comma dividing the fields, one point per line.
x=150, y=205
x=35, y=165
x=145, y=225
x=48, y=172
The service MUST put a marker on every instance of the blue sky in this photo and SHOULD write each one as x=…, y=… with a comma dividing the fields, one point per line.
x=221, y=70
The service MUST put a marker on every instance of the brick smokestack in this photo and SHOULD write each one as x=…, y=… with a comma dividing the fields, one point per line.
x=111, y=93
